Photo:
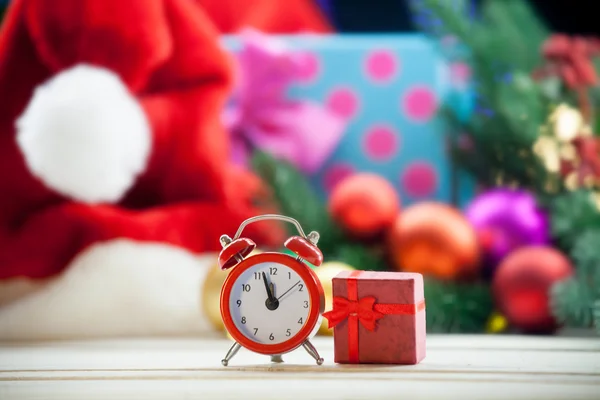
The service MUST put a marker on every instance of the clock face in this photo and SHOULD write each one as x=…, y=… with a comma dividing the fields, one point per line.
x=269, y=319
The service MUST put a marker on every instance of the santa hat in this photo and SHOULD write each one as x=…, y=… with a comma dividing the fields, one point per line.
x=267, y=16
x=114, y=167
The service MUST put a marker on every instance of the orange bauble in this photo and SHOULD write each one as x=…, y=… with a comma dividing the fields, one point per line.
x=522, y=283
x=364, y=204
x=434, y=239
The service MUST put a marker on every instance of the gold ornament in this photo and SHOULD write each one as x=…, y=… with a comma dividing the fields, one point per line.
x=497, y=323
x=568, y=152
x=326, y=273
x=211, y=294
x=568, y=123
x=557, y=147
x=596, y=199
x=548, y=151
x=572, y=181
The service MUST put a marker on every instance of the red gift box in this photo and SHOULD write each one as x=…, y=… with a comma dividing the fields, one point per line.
x=378, y=317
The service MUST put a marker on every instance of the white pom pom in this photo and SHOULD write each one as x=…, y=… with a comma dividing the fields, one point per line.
x=84, y=135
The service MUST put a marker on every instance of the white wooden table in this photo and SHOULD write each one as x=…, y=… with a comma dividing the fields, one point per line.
x=456, y=367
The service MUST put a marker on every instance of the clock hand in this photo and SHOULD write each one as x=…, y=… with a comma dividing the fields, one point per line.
x=286, y=292
x=268, y=286
x=272, y=287
x=271, y=303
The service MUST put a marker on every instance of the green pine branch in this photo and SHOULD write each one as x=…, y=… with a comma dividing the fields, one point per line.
x=574, y=301
x=503, y=48
x=455, y=307
x=360, y=256
x=571, y=214
x=597, y=316
x=518, y=32
x=505, y=38
x=586, y=255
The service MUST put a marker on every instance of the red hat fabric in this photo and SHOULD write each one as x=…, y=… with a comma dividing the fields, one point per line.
x=114, y=164
x=110, y=127
x=297, y=16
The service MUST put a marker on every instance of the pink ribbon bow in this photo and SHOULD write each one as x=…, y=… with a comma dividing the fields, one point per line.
x=262, y=116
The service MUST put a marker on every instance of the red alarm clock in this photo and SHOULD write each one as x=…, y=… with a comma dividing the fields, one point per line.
x=271, y=303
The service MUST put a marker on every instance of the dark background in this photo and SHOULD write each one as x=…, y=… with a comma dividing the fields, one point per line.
x=568, y=16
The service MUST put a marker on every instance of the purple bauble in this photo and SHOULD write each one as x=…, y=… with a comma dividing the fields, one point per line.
x=506, y=219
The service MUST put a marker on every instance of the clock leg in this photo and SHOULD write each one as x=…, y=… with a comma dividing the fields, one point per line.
x=312, y=351
x=276, y=358
x=232, y=351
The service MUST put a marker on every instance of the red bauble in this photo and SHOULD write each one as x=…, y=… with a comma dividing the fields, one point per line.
x=434, y=239
x=364, y=204
x=521, y=286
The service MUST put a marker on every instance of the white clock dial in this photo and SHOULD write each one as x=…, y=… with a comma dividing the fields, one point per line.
x=263, y=320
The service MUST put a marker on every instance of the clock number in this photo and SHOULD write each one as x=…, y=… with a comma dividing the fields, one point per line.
x=255, y=331
x=271, y=337
x=305, y=304
x=245, y=287
x=257, y=275
x=273, y=271
x=289, y=275
x=239, y=303
x=288, y=333
x=300, y=321
x=243, y=320
x=301, y=288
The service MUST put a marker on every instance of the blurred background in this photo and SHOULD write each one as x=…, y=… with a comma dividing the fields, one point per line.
x=454, y=138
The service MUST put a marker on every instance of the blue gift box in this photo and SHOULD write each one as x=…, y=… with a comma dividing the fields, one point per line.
x=389, y=88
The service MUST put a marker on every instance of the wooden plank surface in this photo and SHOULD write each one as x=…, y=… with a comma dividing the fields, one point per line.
x=456, y=367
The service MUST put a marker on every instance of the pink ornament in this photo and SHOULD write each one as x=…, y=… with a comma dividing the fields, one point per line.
x=506, y=220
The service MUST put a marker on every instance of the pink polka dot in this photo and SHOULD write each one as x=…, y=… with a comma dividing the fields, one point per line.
x=381, y=142
x=308, y=68
x=335, y=174
x=460, y=73
x=419, y=103
x=381, y=65
x=343, y=101
x=419, y=179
